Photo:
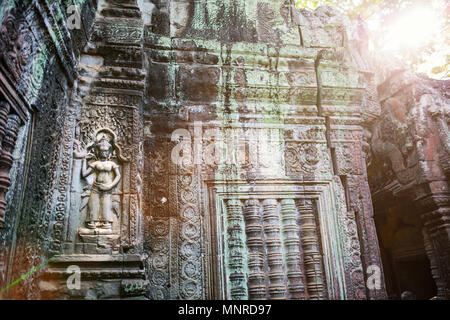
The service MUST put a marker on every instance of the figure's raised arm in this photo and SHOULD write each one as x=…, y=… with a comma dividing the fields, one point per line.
x=86, y=171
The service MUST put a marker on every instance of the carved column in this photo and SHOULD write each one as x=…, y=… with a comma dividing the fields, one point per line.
x=346, y=138
x=436, y=233
x=4, y=182
x=4, y=111
x=236, y=247
x=315, y=281
x=256, y=256
x=277, y=287
x=9, y=129
x=291, y=242
x=436, y=272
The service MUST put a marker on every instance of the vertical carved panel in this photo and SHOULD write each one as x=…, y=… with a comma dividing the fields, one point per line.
x=158, y=261
x=277, y=286
x=256, y=256
x=291, y=240
x=311, y=251
x=434, y=265
x=190, y=236
x=236, y=246
x=161, y=231
x=6, y=161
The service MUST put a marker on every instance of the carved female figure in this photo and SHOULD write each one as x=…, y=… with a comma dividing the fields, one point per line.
x=98, y=162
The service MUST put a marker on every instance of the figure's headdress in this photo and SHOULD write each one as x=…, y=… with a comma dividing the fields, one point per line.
x=107, y=134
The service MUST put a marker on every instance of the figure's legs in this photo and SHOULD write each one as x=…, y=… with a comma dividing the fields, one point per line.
x=106, y=210
x=93, y=209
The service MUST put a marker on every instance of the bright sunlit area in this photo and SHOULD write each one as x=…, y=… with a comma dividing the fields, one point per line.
x=415, y=31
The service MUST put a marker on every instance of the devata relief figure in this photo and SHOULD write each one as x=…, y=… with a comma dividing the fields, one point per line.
x=106, y=176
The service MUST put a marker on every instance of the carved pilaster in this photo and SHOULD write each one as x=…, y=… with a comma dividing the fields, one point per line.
x=291, y=240
x=311, y=251
x=360, y=203
x=236, y=246
x=255, y=244
x=436, y=233
x=434, y=264
x=277, y=287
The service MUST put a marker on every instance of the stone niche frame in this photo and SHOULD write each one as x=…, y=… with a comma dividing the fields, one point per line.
x=321, y=192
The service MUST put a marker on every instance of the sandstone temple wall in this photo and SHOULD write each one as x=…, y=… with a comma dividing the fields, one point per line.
x=409, y=172
x=211, y=149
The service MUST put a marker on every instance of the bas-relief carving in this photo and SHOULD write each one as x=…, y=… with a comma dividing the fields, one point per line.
x=100, y=163
x=306, y=156
x=273, y=245
x=33, y=81
x=16, y=43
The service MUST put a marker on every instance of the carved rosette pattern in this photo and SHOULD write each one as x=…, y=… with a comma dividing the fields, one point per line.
x=306, y=158
x=434, y=264
x=158, y=263
x=315, y=277
x=190, y=262
x=306, y=151
x=158, y=227
x=157, y=172
x=354, y=272
x=236, y=243
x=172, y=196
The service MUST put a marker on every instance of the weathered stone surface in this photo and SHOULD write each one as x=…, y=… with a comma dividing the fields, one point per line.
x=207, y=150
x=410, y=142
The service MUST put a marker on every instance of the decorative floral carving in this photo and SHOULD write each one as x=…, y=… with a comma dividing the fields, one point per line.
x=16, y=44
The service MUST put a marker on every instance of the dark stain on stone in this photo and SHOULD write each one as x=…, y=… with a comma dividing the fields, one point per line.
x=227, y=69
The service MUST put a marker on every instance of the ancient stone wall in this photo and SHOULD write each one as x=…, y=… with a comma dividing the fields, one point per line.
x=410, y=144
x=38, y=58
x=201, y=150
x=269, y=198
